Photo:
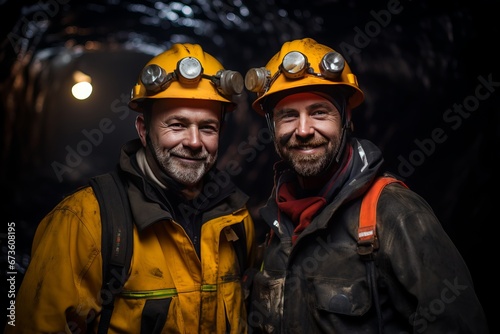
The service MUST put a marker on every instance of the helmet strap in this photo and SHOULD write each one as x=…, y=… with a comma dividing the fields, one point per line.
x=270, y=123
x=346, y=126
x=223, y=113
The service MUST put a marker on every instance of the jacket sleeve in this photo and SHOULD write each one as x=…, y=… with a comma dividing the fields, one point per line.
x=62, y=282
x=426, y=275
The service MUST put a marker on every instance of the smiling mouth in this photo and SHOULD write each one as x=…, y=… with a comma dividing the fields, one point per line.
x=189, y=158
x=304, y=147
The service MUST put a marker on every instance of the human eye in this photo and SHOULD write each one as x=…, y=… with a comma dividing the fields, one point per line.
x=209, y=128
x=286, y=116
x=320, y=112
x=176, y=125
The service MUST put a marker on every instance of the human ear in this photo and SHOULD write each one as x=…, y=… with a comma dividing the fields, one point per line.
x=140, y=126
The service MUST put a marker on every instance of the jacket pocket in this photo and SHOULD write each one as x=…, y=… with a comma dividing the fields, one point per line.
x=342, y=297
x=266, y=307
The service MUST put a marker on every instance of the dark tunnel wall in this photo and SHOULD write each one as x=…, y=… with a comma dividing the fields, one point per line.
x=429, y=72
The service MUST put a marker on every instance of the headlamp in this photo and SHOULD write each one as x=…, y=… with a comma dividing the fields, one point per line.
x=189, y=72
x=331, y=65
x=295, y=66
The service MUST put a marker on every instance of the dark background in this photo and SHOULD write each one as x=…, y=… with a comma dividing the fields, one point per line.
x=416, y=61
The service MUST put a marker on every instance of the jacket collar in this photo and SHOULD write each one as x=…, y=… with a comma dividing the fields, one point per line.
x=152, y=200
x=360, y=171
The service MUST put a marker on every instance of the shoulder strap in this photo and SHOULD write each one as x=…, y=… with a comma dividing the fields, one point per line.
x=367, y=237
x=116, y=240
x=240, y=246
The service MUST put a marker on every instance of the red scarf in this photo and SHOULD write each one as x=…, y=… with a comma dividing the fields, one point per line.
x=300, y=211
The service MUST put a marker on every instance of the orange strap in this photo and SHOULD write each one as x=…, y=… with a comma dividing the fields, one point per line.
x=368, y=214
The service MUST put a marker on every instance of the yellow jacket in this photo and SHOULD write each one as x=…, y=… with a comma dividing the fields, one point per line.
x=170, y=290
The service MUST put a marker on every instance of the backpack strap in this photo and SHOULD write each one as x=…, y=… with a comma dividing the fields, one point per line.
x=367, y=233
x=367, y=236
x=116, y=240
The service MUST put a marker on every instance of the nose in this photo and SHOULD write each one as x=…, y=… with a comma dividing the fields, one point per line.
x=192, y=139
x=305, y=127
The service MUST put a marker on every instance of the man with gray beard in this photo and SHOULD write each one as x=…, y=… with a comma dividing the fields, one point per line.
x=192, y=233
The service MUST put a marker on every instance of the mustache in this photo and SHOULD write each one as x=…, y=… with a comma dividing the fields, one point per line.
x=186, y=154
x=289, y=141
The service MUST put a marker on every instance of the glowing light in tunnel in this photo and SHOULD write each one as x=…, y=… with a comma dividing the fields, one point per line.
x=82, y=88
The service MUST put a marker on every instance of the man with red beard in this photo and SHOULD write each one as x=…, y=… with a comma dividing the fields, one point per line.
x=315, y=277
x=192, y=233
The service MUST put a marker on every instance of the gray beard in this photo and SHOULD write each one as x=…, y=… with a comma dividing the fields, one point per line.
x=186, y=174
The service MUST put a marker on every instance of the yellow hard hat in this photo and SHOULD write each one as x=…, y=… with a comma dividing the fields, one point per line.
x=303, y=65
x=185, y=71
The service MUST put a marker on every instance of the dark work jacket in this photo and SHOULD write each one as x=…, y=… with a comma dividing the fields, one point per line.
x=319, y=284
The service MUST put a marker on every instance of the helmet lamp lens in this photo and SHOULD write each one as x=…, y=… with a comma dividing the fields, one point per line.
x=231, y=82
x=256, y=79
x=189, y=70
x=332, y=64
x=153, y=77
x=294, y=64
